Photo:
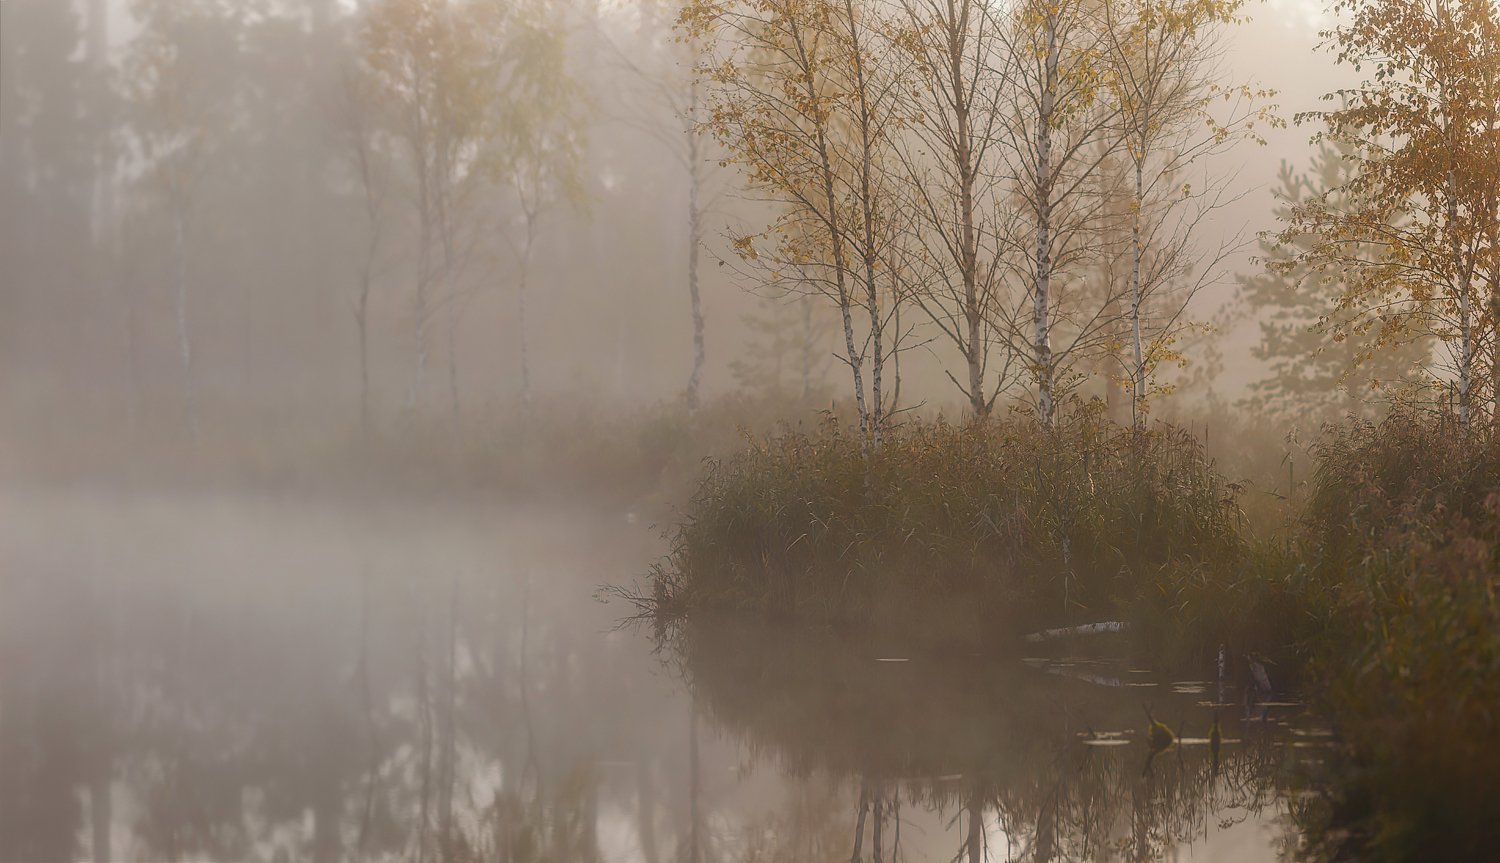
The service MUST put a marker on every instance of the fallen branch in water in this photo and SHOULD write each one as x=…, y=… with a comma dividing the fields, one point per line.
x=1081, y=629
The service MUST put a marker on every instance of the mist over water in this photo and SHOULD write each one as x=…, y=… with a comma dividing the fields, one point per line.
x=330, y=458
x=253, y=677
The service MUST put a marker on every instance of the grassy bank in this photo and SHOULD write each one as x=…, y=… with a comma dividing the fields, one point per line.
x=971, y=531
x=1378, y=598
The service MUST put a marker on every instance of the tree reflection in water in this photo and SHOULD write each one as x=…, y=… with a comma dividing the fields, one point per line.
x=1000, y=752
x=258, y=681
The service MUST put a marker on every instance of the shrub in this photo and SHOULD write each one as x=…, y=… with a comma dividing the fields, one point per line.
x=1403, y=532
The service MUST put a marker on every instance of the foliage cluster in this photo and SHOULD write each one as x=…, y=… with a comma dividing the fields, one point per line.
x=967, y=161
x=1410, y=241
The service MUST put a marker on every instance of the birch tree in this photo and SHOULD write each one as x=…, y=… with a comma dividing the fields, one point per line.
x=801, y=98
x=430, y=63
x=367, y=164
x=950, y=157
x=178, y=105
x=537, y=150
x=1174, y=110
x=670, y=86
x=1407, y=241
x=1057, y=133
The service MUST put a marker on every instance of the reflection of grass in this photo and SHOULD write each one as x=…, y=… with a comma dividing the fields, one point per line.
x=971, y=530
x=954, y=732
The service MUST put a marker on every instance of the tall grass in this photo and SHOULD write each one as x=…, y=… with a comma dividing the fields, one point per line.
x=1403, y=534
x=966, y=530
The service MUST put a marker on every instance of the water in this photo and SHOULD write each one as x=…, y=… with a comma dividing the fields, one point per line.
x=231, y=677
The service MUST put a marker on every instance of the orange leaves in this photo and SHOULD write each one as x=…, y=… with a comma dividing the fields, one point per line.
x=745, y=248
x=1414, y=229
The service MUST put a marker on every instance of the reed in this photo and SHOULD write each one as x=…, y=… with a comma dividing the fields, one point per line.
x=968, y=531
x=1403, y=536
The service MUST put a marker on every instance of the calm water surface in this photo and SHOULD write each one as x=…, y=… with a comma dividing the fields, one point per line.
x=239, y=677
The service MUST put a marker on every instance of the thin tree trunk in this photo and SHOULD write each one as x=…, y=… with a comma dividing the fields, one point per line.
x=876, y=835
x=1046, y=830
x=893, y=403
x=325, y=839
x=968, y=239
x=1465, y=273
x=896, y=822
x=1041, y=301
x=453, y=398
x=362, y=318
x=695, y=790
x=975, y=840
x=103, y=210
x=420, y=369
x=533, y=764
x=448, y=765
x=104, y=649
x=591, y=849
x=424, y=273
x=1138, y=369
x=807, y=349
x=445, y=233
x=646, y=811
x=836, y=240
x=695, y=217
x=867, y=209
x=101, y=815
x=424, y=707
x=367, y=700
x=1466, y=361
x=184, y=341
x=1494, y=326
x=524, y=323
x=133, y=346
x=859, y=824
x=367, y=269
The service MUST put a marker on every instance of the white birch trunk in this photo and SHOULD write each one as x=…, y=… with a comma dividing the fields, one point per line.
x=867, y=208
x=1138, y=373
x=835, y=235
x=1041, y=301
x=1465, y=309
x=695, y=232
x=963, y=157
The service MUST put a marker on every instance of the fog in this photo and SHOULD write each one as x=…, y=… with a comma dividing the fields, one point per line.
x=277, y=231
x=315, y=477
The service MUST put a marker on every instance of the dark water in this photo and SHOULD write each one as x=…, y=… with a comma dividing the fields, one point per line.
x=201, y=677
